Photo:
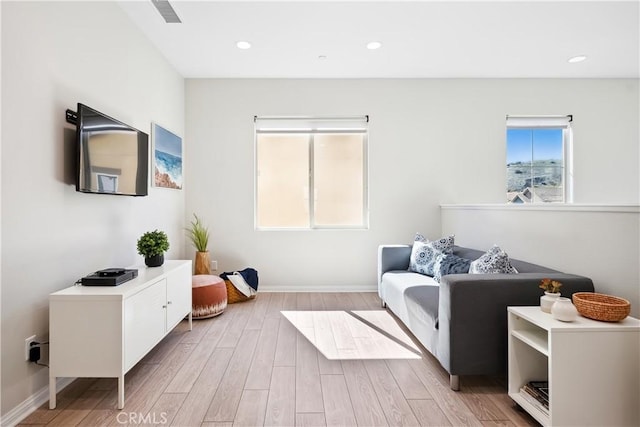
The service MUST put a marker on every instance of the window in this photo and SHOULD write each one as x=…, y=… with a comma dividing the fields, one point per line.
x=538, y=159
x=311, y=172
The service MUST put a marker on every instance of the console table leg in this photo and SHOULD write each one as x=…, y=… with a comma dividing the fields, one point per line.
x=190, y=321
x=52, y=392
x=121, y=392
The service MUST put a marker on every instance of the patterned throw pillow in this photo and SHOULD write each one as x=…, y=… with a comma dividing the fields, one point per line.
x=495, y=260
x=449, y=264
x=444, y=244
x=423, y=256
x=420, y=238
x=423, y=253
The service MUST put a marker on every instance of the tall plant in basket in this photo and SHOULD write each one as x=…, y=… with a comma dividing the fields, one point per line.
x=198, y=233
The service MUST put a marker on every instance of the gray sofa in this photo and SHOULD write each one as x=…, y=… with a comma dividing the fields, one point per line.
x=462, y=320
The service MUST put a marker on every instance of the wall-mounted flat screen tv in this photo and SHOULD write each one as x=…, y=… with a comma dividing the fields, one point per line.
x=113, y=158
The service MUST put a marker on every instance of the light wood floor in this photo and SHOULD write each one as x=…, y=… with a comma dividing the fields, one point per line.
x=251, y=366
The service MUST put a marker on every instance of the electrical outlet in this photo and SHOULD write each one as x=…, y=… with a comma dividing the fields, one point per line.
x=27, y=346
x=34, y=353
x=214, y=265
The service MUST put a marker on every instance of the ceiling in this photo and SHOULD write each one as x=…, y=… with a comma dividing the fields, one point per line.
x=420, y=39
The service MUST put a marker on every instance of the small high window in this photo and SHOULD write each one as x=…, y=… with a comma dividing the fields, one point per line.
x=539, y=159
x=311, y=172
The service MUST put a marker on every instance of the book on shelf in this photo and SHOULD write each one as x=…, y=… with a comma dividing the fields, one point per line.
x=534, y=402
x=541, y=387
x=540, y=395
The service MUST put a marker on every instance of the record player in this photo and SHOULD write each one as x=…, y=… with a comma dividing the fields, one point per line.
x=109, y=277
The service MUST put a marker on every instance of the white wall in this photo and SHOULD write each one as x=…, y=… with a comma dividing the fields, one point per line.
x=55, y=54
x=431, y=141
x=0, y=210
x=599, y=242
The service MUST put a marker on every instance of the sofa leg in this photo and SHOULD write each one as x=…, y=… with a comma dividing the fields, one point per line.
x=384, y=304
x=454, y=382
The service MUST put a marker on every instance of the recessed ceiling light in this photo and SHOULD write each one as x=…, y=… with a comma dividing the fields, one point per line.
x=578, y=58
x=374, y=45
x=243, y=45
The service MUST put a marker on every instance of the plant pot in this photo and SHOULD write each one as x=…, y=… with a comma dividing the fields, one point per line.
x=154, y=261
x=547, y=300
x=203, y=263
x=564, y=310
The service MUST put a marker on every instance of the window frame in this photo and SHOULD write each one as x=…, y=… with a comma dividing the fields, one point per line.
x=562, y=122
x=312, y=126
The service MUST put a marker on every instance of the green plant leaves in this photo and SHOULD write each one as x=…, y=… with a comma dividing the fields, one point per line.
x=153, y=243
x=198, y=234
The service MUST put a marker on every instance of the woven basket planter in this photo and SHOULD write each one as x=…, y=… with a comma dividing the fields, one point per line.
x=606, y=308
x=203, y=263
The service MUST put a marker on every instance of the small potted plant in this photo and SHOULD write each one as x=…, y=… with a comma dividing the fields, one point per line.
x=551, y=294
x=152, y=245
x=199, y=236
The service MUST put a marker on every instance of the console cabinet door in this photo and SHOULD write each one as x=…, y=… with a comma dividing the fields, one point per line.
x=144, y=318
x=178, y=295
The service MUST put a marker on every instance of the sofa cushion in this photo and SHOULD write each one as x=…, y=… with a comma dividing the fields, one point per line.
x=494, y=261
x=527, y=267
x=394, y=285
x=415, y=293
x=422, y=303
x=403, y=279
x=521, y=266
x=467, y=253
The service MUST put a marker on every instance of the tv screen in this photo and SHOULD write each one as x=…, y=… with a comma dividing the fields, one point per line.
x=113, y=158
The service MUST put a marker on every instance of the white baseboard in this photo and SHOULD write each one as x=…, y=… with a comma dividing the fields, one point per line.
x=316, y=289
x=32, y=403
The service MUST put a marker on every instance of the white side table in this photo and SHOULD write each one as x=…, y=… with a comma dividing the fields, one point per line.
x=593, y=368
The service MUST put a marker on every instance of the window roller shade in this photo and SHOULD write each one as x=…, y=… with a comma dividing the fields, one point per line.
x=558, y=122
x=270, y=124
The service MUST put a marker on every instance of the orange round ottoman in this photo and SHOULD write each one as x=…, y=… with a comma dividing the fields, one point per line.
x=209, y=296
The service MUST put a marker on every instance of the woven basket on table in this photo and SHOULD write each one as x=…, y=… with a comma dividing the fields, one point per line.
x=601, y=307
x=234, y=295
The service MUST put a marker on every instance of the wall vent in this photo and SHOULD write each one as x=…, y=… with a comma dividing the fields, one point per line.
x=167, y=12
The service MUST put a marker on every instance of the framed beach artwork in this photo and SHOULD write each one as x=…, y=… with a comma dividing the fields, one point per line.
x=167, y=158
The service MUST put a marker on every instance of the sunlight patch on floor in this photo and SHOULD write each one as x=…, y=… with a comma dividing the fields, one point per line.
x=357, y=334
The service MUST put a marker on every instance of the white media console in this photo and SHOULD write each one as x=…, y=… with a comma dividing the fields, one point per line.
x=103, y=331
